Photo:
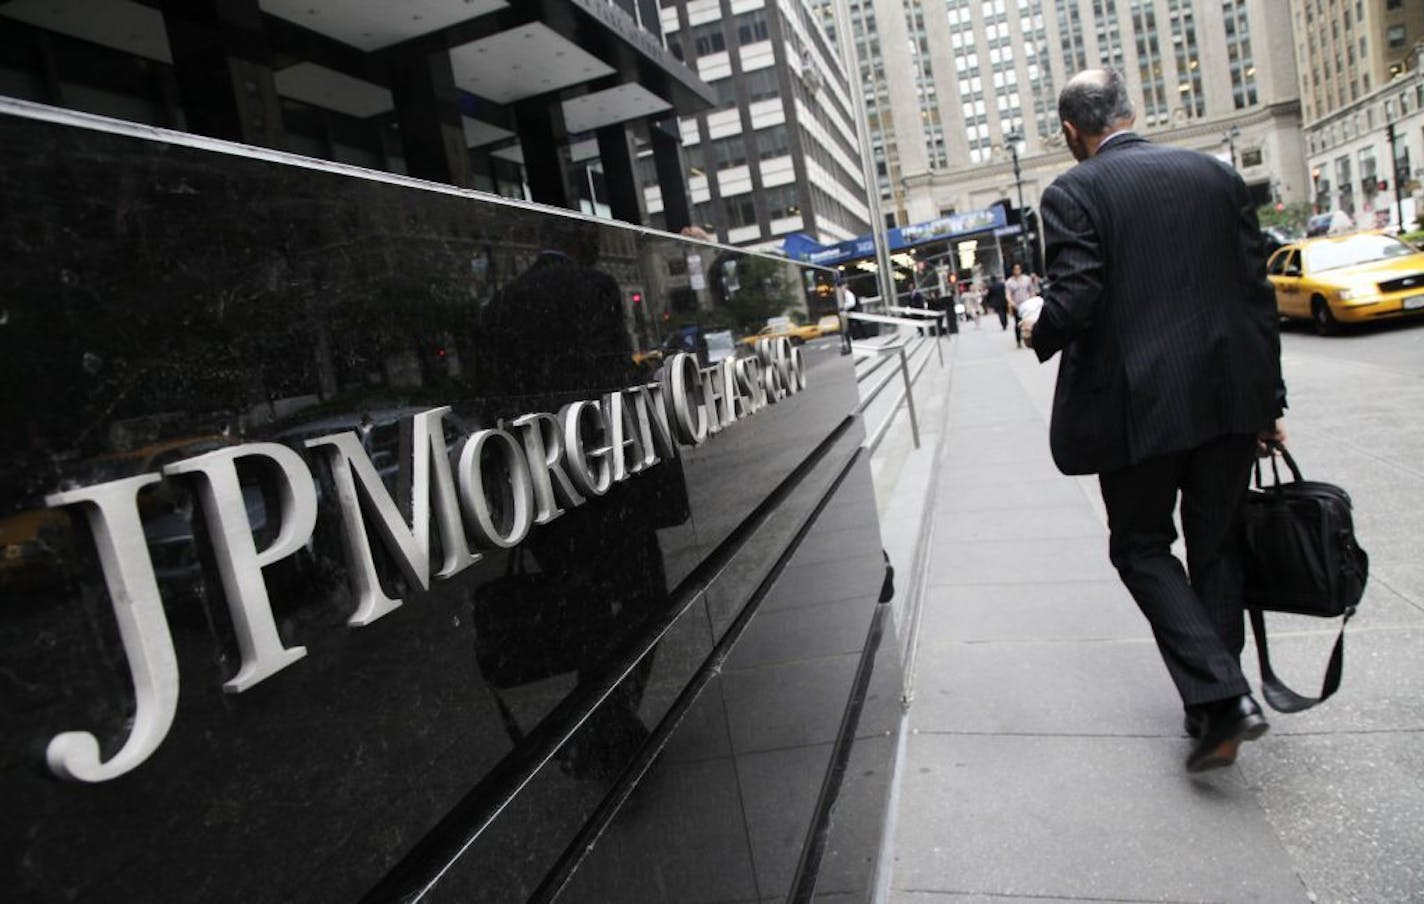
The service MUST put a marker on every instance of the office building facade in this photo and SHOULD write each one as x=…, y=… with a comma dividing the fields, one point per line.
x=778, y=153
x=1366, y=157
x=975, y=92
x=547, y=101
x=1350, y=48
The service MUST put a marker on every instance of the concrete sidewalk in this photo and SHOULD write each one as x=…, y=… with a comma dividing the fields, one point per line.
x=1044, y=753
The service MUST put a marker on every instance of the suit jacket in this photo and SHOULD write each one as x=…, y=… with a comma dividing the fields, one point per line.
x=1158, y=298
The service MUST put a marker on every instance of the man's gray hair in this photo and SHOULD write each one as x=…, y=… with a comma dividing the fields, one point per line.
x=1093, y=100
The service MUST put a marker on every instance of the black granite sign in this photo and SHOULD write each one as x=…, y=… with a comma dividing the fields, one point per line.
x=367, y=538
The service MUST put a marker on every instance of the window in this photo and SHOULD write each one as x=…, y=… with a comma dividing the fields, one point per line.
x=728, y=152
x=761, y=85
x=741, y=211
x=1251, y=157
x=1395, y=35
x=781, y=202
x=773, y=142
x=708, y=39
x=751, y=27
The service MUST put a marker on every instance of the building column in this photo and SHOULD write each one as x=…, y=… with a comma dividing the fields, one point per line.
x=428, y=110
x=666, y=139
x=620, y=173
x=543, y=138
x=223, y=67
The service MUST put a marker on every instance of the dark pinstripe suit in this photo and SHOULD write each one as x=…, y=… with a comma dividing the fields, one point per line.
x=1159, y=302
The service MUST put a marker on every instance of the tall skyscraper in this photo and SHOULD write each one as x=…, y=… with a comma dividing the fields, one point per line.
x=778, y=154
x=964, y=80
x=1353, y=47
x=1362, y=90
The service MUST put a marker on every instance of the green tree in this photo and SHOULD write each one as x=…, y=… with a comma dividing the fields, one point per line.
x=1293, y=216
x=762, y=291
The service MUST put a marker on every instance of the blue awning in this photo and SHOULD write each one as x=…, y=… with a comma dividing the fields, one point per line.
x=799, y=246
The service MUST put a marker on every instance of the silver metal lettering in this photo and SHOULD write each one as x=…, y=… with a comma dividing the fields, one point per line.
x=589, y=464
x=432, y=458
x=749, y=379
x=714, y=399
x=796, y=364
x=239, y=562
x=653, y=423
x=688, y=417
x=475, y=495
x=771, y=375
x=112, y=511
x=544, y=451
x=738, y=405
x=623, y=433
x=781, y=357
x=409, y=543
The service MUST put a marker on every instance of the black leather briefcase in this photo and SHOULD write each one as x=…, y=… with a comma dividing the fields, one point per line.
x=1301, y=556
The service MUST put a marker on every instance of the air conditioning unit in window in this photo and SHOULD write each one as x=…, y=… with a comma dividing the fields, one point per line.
x=810, y=75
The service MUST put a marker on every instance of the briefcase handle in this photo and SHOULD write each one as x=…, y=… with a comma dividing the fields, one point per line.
x=1274, y=446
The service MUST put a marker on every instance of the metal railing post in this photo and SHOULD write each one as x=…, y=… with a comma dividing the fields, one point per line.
x=909, y=397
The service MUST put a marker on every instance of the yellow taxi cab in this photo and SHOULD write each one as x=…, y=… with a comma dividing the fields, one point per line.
x=37, y=543
x=796, y=332
x=1348, y=279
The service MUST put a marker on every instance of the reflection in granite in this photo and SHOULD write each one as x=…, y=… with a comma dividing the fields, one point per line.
x=160, y=301
x=760, y=740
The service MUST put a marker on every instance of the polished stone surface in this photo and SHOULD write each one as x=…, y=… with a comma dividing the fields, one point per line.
x=162, y=300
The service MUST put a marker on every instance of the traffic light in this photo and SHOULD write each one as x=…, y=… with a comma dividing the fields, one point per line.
x=637, y=298
x=1383, y=185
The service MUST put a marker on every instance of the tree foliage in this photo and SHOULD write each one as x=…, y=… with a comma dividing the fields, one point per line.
x=1292, y=217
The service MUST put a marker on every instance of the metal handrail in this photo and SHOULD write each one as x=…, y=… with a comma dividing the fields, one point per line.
x=898, y=347
x=918, y=320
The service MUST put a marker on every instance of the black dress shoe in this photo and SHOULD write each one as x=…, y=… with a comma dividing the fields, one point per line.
x=1225, y=726
x=1192, y=724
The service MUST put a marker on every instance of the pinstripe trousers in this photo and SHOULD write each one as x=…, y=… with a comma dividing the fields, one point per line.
x=1196, y=612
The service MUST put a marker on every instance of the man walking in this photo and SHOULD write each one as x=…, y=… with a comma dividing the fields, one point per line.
x=1157, y=296
x=1019, y=288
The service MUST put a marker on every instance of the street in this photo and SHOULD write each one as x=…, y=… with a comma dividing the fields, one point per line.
x=1397, y=346
x=1045, y=752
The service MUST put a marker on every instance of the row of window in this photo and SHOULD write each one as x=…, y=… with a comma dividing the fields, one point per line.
x=1367, y=120
x=711, y=37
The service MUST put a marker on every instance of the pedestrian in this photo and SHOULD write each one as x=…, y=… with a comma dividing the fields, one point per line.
x=919, y=303
x=997, y=301
x=1019, y=288
x=848, y=303
x=973, y=303
x=1170, y=378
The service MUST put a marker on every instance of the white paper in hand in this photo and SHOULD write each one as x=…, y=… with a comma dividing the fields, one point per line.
x=1029, y=307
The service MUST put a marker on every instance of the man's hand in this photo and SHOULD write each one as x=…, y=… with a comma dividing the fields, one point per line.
x=1277, y=434
x=1026, y=330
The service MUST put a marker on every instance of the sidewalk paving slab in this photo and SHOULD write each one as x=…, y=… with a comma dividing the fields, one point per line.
x=1105, y=818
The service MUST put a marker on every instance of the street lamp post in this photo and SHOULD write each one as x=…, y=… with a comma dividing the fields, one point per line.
x=1012, y=140
x=1228, y=138
x=1394, y=168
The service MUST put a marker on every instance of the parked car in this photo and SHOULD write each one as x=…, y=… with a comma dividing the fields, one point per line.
x=1348, y=279
x=1274, y=238
x=1335, y=222
x=37, y=545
